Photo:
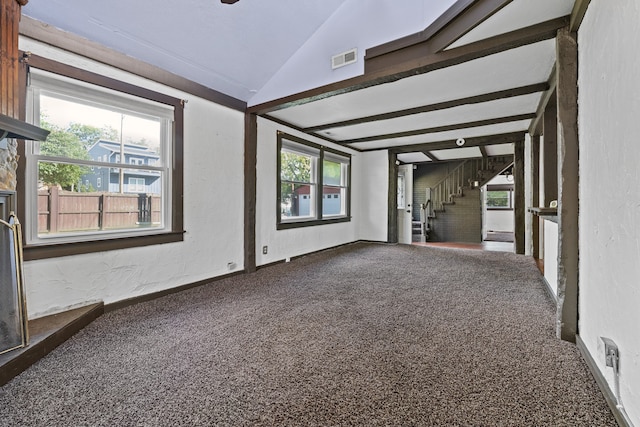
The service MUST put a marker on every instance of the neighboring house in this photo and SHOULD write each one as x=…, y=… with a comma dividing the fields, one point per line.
x=331, y=201
x=135, y=180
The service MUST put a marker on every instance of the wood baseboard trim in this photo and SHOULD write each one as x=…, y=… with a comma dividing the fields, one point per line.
x=619, y=414
x=154, y=295
x=47, y=333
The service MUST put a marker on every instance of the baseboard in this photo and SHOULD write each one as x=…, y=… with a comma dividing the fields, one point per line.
x=620, y=416
x=154, y=295
x=549, y=290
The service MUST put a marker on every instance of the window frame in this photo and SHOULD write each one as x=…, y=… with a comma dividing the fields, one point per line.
x=319, y=218
x=173, y=232
x=509, y=188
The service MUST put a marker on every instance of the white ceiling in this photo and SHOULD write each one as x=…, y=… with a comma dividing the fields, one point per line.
x=252, y=45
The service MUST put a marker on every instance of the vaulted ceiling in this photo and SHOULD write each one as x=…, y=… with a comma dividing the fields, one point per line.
x=468, y=70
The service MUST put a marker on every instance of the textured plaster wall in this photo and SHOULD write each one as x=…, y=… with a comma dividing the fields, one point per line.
x=609, y=107
x=213, y=220
x=283, y=244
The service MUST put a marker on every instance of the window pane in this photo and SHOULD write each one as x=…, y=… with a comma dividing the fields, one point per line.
x=498, y=199
x=78, y=130
x=333, y=200
x=295, y=167
x=94, y=202
x=297, y=200
x=331, y=173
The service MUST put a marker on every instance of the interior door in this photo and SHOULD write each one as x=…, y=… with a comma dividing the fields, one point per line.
x=405, y=202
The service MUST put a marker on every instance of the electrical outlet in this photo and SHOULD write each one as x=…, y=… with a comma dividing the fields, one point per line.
x=610, y=352
x=265, y=249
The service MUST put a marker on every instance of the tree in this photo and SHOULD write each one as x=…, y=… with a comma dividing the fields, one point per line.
x=61, y=143
x=89, y=135
x=294, y=168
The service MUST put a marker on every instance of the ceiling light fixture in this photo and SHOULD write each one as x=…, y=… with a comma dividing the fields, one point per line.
x=228, y=1
x=460, y=142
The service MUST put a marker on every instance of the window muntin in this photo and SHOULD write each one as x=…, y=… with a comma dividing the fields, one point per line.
x=77, y=170
x=313, y=183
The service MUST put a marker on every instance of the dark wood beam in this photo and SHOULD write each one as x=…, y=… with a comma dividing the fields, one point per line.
x=506, y=138
x=445, y=128
x=442, y=21
x=536, y=124
x=476, y=99
x=420, y=56
x=48, y=34
x=473, y=16
x=568, y=188
x=250, y=190
x=292, y=126
x=392, y=71
x=483, y=151
x=432, y=156
x=577, y=14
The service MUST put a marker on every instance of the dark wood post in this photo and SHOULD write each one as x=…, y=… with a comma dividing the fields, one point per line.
x=535, y=199
x=392, y=200
x=519, y=208
x=550, y=134
x=568, y=173
x=250, y=176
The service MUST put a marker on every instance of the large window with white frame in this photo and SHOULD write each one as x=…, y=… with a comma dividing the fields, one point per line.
x=313, y=183
x=107, y=169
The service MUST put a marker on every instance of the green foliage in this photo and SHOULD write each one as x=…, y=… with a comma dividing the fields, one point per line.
x=295, y=167
x=498, y=199
x=332, y=172
x=89, y=135
x=71, y=143
x=60, y=143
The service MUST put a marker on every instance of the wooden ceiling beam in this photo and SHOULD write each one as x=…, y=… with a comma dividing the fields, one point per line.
x=505, y=138
x=456, y=126
x=432, y=156
x=476, y=99
x=577, y=14
x=391, y=70
x=441, y=22
x=535, y=128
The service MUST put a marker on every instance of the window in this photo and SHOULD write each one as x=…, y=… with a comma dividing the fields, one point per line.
x=136, y=185
x=79, y=182
x=499, y=197
x=313, y=183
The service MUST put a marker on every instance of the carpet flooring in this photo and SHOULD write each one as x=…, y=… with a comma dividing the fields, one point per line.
x=362, y=335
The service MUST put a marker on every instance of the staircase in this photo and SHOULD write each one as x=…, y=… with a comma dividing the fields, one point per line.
x=466, y=178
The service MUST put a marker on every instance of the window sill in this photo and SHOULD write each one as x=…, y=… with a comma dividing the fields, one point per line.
x=310, y=223
x=34, y=252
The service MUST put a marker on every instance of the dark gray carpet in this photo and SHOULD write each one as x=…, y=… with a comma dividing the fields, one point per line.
x=365, y=335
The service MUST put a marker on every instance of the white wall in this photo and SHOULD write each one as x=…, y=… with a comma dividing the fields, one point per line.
x=289, y=243
x=213, y=220
x=609, y=108
x=497, y=220
x=373, y=181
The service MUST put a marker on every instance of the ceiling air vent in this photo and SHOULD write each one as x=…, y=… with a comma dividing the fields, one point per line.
x=344, y=58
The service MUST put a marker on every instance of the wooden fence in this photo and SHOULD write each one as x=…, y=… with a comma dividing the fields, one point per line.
x=67, y=211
